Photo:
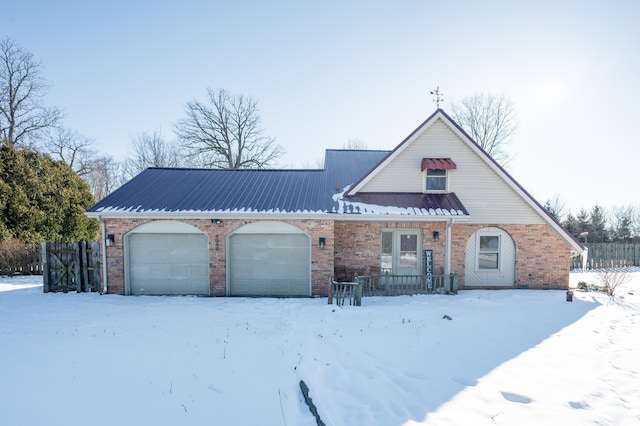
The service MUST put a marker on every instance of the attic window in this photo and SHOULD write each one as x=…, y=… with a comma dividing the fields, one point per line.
x=436, y=180
x=435, y=173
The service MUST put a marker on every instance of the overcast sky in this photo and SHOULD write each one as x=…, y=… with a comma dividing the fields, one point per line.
x=325, y=72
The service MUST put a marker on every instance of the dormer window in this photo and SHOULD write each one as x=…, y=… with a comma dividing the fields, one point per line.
x=435, y=172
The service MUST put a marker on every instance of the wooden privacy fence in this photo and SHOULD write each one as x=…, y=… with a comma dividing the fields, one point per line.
x=609, y=255
x=71, y=266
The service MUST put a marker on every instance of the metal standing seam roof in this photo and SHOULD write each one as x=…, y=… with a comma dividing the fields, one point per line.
x=183, y=190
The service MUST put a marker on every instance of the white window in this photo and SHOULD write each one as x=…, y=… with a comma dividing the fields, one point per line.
x=436, y=180
x=489, y=252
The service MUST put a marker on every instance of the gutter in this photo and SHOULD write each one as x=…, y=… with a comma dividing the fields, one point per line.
x=103, y=231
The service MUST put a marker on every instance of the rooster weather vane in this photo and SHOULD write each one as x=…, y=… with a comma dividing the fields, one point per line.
x=439, y=96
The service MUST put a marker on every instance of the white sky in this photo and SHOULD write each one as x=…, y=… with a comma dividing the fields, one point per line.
x=327, y=71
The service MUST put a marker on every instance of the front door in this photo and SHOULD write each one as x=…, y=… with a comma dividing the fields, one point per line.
x=400, y=252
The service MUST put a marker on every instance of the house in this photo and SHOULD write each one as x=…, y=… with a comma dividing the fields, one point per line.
x=284, y=232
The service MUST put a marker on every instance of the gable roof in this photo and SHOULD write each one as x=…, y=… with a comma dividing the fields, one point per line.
x=439, y=114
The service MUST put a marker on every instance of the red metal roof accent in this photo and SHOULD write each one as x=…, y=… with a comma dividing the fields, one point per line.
x=438, y=164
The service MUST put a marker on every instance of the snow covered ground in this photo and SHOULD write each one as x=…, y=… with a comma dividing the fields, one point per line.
x=510, y=357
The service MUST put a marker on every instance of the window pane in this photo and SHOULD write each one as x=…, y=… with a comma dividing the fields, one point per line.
x=436, y=172
x=489, y=243
x=436, y=184
x=409, y=243
x=408, y=259
x=436, y=180
x=488, y=261
x=409, y=251
x=386, y=252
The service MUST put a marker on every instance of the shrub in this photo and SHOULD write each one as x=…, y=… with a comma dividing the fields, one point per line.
x=17, y=257
x=611, y=279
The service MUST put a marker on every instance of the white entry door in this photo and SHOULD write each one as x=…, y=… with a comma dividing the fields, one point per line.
x=401, y=252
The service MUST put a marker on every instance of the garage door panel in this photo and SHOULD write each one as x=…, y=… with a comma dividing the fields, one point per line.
x=168, y=264
x=270, y=264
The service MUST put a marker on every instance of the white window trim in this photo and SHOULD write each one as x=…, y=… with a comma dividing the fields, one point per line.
x=447, y=178
x=488, y=234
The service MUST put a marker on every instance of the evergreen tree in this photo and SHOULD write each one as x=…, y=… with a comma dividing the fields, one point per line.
x=572, y=225
x=598, y=226
x=42, y=200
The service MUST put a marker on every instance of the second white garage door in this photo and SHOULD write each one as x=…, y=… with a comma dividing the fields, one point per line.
x=269, y=265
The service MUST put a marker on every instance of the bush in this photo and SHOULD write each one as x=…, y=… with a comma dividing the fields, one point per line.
x=611, y=279
x=583, y=286
x=18, y=257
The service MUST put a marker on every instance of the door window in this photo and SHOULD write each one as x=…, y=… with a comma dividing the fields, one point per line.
x=408, y=251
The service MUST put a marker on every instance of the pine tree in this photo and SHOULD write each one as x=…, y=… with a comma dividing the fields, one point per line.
x=42, y=200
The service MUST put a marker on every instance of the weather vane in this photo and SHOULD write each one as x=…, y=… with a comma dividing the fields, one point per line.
x=439, y=96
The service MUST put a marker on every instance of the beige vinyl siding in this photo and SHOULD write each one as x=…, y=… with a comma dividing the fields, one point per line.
x=487, y=197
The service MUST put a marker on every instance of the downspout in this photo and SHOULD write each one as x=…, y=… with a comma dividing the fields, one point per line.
x=447, y=247
x=103, y=230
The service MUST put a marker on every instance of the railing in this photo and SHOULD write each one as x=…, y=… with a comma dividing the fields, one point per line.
x=390, y=285
x=343, y=291
x=396, y=285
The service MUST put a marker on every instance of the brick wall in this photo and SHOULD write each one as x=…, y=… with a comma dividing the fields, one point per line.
x=357, y=244
x=321, y=265
x=542, y=256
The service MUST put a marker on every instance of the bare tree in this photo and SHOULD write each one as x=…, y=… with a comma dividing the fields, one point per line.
x=70, y=147
x=151, y=150
x=355, y=144
x=557, y=207
x=22, y=89
x=104, y=177
x=226, y=133
x=490, y=120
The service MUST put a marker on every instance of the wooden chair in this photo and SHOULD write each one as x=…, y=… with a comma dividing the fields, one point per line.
x=340, y=273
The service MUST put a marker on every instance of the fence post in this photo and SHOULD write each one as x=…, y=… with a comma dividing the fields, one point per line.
x=45, y=267
x=357, y=295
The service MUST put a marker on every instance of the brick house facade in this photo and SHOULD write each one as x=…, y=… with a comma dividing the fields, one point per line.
x=284, y=232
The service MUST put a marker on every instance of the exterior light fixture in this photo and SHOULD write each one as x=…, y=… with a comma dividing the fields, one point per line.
x=111, y=238
x=322, y=242
x=216, y=221
x=436, y=235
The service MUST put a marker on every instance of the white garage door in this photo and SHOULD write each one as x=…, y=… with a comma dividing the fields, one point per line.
x=168, y=264
x=269, y=265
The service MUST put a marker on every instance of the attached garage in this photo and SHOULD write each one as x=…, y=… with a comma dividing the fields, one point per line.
x=269, y=259
x=167, y=258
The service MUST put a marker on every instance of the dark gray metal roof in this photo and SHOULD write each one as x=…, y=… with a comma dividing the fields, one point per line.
x=405, y=203
x=262, y=190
